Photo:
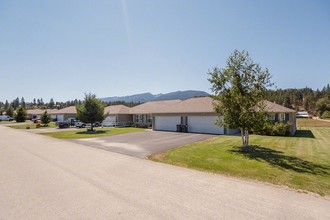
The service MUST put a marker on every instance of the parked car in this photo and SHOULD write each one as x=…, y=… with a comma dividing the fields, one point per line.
x=66, y=124
x=80, y=124
x=6, y=118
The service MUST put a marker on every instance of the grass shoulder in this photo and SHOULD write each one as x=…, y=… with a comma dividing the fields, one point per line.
x=31, y=125
x=99, y=132
x=301, y=162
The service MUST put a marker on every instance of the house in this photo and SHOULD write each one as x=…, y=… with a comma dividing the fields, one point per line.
x=36, y=113
x=196, y=114
x=66, y=113
x=142, y=113
x=279, y=113
x=119, y=115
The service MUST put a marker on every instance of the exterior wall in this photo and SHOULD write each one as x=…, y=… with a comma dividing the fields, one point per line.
x=67, y=116
x=125, y=118
x=293, y=121
x=229, y=131
x=144, y=119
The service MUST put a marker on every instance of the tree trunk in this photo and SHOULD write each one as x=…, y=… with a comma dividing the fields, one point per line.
x=91, y=127
x=245, y=137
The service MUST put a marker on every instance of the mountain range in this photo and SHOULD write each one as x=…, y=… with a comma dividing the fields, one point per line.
x=148, y=97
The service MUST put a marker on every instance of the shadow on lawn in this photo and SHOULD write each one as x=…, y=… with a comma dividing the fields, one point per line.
x=92, y=132
x=304, y=134
x=278, y=159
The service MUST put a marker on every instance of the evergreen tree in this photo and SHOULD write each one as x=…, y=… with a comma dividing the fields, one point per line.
x=10, y=111
x=51, y=103
x=23, y=102
x=45, y=118
x=91, y=111
x=21, y=115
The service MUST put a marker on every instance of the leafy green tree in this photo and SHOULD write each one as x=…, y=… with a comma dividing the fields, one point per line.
x=6, y=105
x=21, y=114
x=240, y=91
x=45, y=118
x=323, y=105
x=10, y=111
x=91, y=111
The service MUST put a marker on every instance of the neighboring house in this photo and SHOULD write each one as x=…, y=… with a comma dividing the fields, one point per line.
x=196, y=114
x=66, y=113
x=142, y=113
x=36, y=113
x=119, y=115
x=279, y=113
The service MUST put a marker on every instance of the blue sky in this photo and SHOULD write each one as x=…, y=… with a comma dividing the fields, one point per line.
x=62, y=49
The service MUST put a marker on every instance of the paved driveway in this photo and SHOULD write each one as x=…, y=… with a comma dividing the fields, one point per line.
x=142, y=144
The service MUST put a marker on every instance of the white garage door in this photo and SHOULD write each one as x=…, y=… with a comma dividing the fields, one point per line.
x=60, y=117
x=110, y=121
x=204, y=124
x=166, y=123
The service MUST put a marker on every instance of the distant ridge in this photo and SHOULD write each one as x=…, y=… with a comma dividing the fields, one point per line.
x=148, y=97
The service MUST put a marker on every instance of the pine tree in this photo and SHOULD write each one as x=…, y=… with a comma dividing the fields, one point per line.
x=21, y=114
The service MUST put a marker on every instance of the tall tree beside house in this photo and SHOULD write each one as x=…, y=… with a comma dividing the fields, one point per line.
x=10, y=111
x=20, y=115
x=6, y=105
x=45, y=118
x=240, y=89
x=91, y=110
x=23, y=102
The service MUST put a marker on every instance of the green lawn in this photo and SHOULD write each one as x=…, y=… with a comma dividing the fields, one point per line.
x=307, y=122
x=99, y=132
x=31, y=125
x=301, y=162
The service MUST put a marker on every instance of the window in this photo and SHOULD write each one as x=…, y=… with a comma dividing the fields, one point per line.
x=271, y=117
x=148, y=119
x=138, y=118
x=282, y=117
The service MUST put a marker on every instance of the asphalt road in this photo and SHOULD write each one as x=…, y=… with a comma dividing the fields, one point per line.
x=45, y=178
x=142, y=144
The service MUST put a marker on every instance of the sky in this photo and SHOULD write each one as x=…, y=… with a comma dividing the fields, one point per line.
x=65, y=48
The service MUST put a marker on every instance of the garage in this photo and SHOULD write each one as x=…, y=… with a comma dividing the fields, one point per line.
x=204, y=124
x=110, y=120
x=166, y=123
x=60, y=117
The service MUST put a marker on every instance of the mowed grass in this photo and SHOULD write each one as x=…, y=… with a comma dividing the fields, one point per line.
x=307, y=122
x=99, y=132
x=301, y=162
x=32, y=126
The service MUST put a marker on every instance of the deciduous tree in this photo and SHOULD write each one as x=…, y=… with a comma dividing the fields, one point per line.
x=240, y=90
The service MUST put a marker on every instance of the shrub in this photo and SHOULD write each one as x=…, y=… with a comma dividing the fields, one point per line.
x=326, y=114
x=274, y=129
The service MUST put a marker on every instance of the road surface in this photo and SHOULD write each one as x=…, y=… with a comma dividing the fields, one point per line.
x=45, y=178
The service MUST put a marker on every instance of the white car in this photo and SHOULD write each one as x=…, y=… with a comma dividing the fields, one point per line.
x=80, y=124
x=6, y=118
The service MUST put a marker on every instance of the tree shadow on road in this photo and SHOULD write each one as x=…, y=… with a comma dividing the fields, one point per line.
x=279, y=159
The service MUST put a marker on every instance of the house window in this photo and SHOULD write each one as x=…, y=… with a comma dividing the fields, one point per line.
x=271, y=117
x=148, y=119
x=138, y=118
x=282, y=117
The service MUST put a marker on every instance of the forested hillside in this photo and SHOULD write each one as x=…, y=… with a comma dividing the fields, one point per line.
x=316, y=102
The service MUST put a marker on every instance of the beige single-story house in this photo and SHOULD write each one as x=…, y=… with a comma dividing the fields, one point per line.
x=142, y=113
x=194, y=115
x=119, y=115
x=191, y=115
x=56, y=114
x=279, y=113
